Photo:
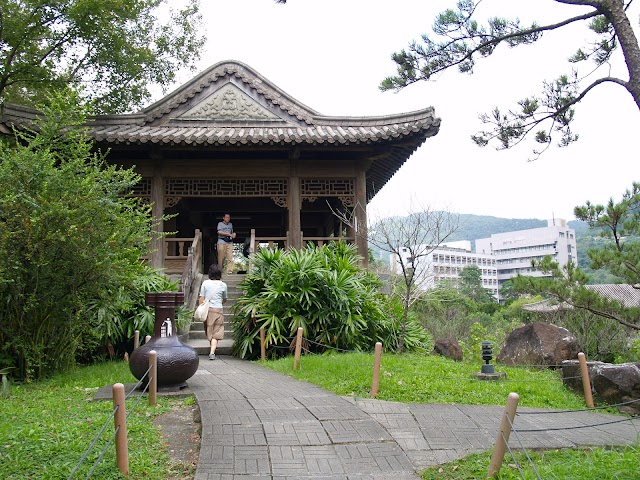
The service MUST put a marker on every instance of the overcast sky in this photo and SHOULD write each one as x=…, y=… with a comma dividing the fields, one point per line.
x=332, y=54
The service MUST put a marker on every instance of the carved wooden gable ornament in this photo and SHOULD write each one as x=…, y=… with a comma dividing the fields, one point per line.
x=229, y=103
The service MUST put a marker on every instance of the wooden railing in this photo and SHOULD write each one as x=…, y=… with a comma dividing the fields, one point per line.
x=176, y=252
x=271, y=242
x=192, y=267
x=320, y=241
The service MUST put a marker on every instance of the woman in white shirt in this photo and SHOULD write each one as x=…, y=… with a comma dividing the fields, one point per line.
x=215, y=291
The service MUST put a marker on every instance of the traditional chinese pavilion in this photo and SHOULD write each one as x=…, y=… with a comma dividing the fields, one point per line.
x=231, y=141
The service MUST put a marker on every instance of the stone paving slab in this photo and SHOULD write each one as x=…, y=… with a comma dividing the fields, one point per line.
x=259, y=424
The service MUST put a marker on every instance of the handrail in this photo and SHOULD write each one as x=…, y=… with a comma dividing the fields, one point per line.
x=192, y=267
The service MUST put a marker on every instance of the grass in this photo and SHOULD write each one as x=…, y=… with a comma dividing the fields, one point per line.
x=580, y=464
x=429, y=379
x=46, y=427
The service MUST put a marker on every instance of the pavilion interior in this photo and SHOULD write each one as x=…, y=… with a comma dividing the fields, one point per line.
x=262, y=214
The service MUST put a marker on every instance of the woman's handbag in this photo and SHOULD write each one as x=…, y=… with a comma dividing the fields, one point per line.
x=202, y=312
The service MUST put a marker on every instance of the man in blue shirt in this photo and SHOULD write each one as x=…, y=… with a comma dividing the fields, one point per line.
x=225, y=243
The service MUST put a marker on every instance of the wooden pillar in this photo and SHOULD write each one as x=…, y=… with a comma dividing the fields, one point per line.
x=295, y=202
x=361, y=216
x=157, y=211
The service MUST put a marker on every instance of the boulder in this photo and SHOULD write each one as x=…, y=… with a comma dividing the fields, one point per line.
x=610, y=383
x=448, y=348
x=539, y=344
x=572, y=376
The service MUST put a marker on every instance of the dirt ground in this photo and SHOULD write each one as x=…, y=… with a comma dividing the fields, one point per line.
x=181, y=428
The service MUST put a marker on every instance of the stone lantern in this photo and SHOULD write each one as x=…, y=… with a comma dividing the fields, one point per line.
x=177, y=362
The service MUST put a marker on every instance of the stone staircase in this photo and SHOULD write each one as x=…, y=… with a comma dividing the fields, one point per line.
x=198, y=340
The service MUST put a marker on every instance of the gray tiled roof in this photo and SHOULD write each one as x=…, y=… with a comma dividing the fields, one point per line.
x=269, y=117
x=343, y=132
x=628, y=295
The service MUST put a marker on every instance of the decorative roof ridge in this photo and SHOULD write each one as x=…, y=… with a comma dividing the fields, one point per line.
x=390, y=119
x=241, y=71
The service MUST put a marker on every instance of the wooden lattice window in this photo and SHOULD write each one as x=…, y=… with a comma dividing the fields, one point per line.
x=224, y=187
x=327, y=187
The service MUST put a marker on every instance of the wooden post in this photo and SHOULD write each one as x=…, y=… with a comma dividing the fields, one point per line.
x=120, y=423
x=375, y=383
x=503, y=435
x=147, y=338
x=263, y=349
x=296, y=358
x=153, y=377
x=586, y=382
x=136, y=339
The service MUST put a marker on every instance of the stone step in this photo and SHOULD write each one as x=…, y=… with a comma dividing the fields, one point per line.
x=225, y=346
x=196, y=337
x=199, y=326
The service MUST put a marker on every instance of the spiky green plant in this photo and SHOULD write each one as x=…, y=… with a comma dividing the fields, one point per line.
x=322, y=290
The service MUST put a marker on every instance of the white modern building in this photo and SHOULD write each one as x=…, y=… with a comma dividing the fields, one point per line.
x=445, y=262
x=514, y=251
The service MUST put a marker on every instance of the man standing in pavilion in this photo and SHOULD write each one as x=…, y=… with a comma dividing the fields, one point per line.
x=225, y=243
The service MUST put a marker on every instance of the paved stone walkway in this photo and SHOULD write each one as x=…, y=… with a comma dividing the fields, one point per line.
x=259, y=424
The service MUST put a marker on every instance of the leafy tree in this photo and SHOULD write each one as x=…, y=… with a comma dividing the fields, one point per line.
x=114, y=49
x=471, y=284
x=460, y=40
x=409, y=240
x=620, y=223
x=68, y=234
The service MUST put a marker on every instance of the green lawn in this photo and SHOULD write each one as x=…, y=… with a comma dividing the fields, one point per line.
x=46, y=427
x=429, y=379
x=583, y=464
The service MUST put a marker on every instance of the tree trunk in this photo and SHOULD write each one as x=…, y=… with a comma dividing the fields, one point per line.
x=629, y=44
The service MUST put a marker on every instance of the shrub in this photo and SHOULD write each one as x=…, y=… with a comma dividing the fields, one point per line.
x=68, y=230
x=322, y=290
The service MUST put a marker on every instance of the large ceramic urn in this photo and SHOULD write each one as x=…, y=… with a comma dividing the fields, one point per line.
x=177, y=362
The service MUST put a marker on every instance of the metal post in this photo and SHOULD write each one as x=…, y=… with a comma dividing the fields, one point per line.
x=263, y=349
x=375, y=383
x=136, y=339
x=120, y=422
x=296, y=358
x=503, y=435
x=586, y=382
x=153, y=377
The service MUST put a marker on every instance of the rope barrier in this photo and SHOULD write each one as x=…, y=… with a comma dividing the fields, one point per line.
x=332, y=360
x=139, y=399
x=577, y=427
x=333, y=348
x=515, y=461
x=456, y=379
x=524, y=449
x=95, y=439
x=614, y=405
x=139, y=383
x=104, y=450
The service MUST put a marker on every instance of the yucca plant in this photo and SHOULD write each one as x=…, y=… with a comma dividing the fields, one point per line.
x=322, y=290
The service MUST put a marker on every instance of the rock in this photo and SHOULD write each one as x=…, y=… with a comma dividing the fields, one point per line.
x=448, y=348
x=618, y=384
x=610, y=383
x=571, y=375
x=539, y=344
